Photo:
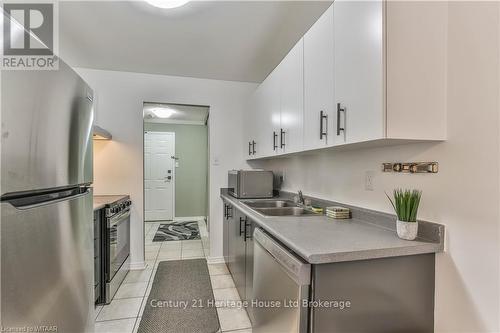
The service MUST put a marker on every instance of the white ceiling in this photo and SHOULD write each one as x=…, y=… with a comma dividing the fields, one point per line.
x=238, y=41
x=186, y=114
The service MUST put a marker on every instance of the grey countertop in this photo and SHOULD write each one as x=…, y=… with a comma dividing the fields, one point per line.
x=320, y=240
x=100, y=201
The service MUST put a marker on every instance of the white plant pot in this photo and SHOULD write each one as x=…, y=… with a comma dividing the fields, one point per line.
x=407, y=230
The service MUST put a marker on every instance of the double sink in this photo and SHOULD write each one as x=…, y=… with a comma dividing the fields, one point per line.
x=278, y=208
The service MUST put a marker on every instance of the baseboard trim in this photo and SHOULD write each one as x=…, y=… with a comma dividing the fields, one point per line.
x=215, y=260
x=189, y=218
x=137, y=266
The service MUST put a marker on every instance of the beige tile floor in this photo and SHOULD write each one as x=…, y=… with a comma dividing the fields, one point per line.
x=124, y=313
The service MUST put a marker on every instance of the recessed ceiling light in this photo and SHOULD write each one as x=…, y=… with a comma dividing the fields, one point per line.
x=167, y=4
x=163, y=112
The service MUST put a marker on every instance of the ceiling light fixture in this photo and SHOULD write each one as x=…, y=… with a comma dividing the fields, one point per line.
x=167, y=4
x=162, y=112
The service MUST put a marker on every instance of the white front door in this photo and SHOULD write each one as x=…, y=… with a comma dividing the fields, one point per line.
x=159, y=175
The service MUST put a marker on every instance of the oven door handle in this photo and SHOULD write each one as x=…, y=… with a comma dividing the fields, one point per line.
x=117, y=219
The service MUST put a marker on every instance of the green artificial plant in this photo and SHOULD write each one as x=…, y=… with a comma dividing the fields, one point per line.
x=405, y=203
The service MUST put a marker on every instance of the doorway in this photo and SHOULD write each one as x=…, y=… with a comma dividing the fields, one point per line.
x=176, y=151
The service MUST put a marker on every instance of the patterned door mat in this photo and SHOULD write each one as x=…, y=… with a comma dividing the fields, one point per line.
x=175, y=231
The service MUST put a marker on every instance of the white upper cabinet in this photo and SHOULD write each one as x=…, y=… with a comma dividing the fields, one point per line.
x=319, y=93
x=390, y=69
x=416, y=72
x=291, y=73
x=359, y=70
x=270, y=114
x=250, y=123
x=278, y=109
x=365, y=71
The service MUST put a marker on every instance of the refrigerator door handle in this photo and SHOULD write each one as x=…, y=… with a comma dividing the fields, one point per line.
x=39, y=200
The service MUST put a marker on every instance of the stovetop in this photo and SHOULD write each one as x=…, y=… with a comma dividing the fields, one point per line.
x=106, y=201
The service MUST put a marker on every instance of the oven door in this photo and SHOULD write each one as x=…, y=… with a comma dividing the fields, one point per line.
x=118, y=239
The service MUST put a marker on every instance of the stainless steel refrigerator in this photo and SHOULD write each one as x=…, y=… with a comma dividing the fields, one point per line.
x=46, y=221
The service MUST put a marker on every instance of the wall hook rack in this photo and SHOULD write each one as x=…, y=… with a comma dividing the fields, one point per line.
x=411, y=167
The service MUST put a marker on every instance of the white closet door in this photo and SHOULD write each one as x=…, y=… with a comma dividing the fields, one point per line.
x=159, y=175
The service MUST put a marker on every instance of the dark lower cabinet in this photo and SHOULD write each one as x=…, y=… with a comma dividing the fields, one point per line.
x=385, y=295
x=250, y=226
x=231, y=245
x=238, y=251
x=228, y=217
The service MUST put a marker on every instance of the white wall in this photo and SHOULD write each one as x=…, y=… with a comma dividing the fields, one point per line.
x=464, y=195
x=118, y=164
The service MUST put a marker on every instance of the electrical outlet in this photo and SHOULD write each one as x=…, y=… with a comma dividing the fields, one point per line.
x=369, y=180
x=282, y=176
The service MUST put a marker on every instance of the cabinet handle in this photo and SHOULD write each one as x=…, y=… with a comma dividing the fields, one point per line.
x=282, y=138
x=275, y=136
x=248, y=227
x=242, y=220
x=249, y=148
x=323, y=116
x=225, y=211
x=253, y=147
x=340, y=109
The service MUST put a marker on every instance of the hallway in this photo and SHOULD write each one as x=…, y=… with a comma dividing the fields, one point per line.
x=125, y=311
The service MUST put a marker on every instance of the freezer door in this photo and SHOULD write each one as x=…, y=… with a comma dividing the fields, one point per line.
x=47, y=264
x=46, y=138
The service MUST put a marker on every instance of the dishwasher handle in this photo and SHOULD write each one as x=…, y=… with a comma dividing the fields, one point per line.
x=296, y=268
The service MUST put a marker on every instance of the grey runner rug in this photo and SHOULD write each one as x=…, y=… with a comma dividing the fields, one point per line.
x=176, y=281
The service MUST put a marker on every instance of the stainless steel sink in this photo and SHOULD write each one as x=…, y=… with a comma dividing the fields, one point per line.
x=269, y=203
x=285, y=211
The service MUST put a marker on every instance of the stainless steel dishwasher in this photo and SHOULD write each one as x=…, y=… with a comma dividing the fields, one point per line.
x=279, y=276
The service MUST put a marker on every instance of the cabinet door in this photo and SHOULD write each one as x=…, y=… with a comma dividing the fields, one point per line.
x=232, y=235
x=319, y=84
x=359, y=67
x=268, y=115
x=240, y=252
x=249, y=266
x=250, y=125
x=227, y=219
x=291, y=74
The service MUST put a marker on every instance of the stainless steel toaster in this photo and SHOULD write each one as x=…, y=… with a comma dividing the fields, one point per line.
x=250, y=183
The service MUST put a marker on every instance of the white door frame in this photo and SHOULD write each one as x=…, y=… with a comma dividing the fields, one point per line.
x=144, y=172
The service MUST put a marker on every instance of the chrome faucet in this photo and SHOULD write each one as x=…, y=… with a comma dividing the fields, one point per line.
x=301, y=198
